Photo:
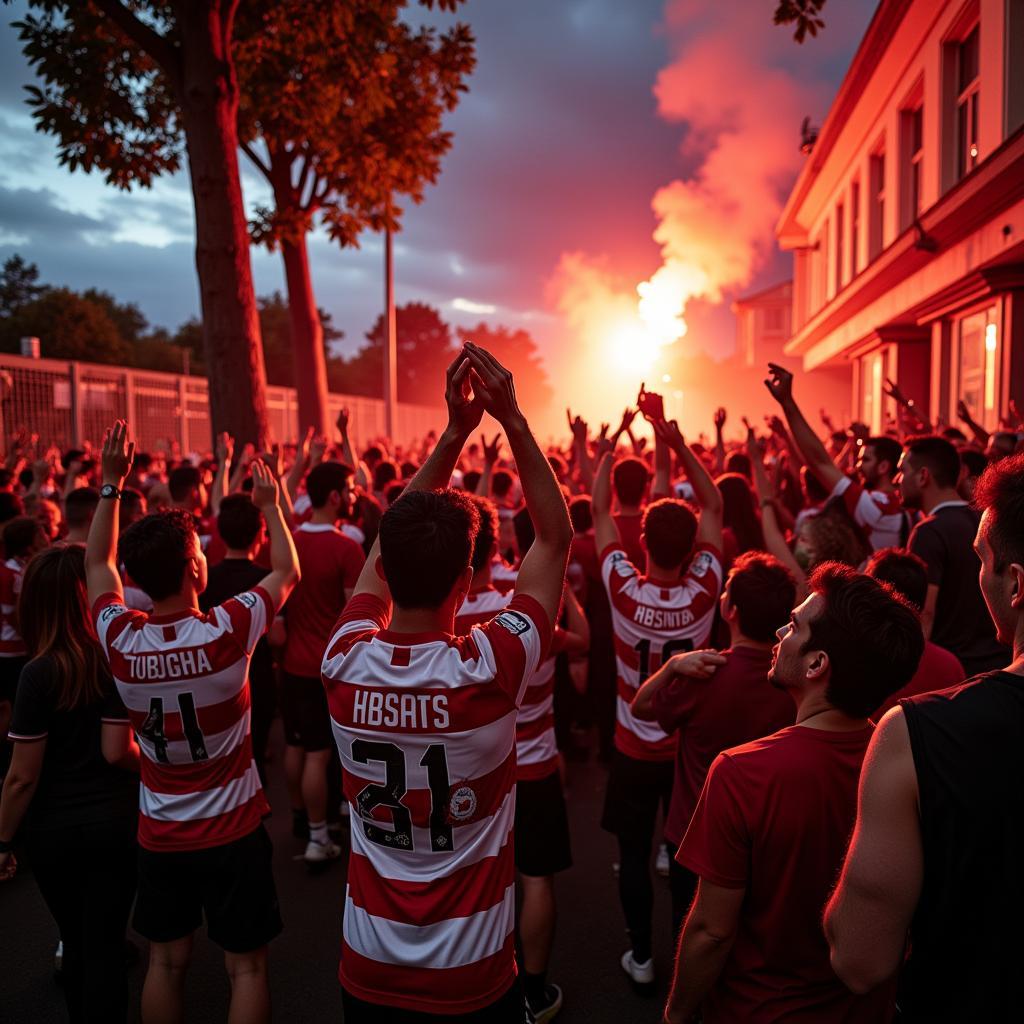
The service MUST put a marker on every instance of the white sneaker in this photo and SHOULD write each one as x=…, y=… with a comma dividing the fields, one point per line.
x=318, y=853
x=641, y=974
x=661, y=863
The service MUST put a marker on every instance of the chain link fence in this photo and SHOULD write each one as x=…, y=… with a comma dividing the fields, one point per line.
x=66, y=403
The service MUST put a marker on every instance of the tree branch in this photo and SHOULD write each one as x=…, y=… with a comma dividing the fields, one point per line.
x=146, y=38
x=303, y=175
x=251, y=153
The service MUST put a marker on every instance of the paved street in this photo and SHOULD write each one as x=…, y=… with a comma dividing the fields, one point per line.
x=304, y=985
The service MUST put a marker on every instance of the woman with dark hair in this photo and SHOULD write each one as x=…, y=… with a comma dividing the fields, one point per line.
x=67, y=789
x=739, y=516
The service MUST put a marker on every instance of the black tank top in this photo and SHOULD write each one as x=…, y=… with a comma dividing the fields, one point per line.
x=967, y=938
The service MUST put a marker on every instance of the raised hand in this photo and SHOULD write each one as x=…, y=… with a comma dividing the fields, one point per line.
x=780, y=383
x=696, y=664
x=494, y=385
x=342, y=421
x=668, y=431
x=627, y=420
x=492, y=450
x=892, y=389
x=317, y=450
x=118, y=454
x=225, y=447
x=578, y=427
x=465, y=404
x=272, y=460
x=963, y=412
x=776, y=426
x=264, y=485
x=720, y=416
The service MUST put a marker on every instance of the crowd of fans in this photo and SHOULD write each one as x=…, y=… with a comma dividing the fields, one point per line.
x=800, y=659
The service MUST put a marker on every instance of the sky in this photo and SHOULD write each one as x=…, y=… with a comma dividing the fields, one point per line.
x=602, y=144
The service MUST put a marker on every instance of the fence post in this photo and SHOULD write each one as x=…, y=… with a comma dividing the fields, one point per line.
x=183, y=415
x=129, y=403
x=75, y=383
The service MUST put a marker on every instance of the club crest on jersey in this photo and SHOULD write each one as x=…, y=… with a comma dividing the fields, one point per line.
x=112, y=611
x=620, y=563
x=701, y=564
x=248, y=599
x=515, y=623
x=461, y=803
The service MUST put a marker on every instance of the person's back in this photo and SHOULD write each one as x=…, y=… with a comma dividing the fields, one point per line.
x=969, y=759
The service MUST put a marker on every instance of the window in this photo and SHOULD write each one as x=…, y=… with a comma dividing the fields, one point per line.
x=876, y=221
x=840, y=244
x=978, y=361
x=773, y=319
x=855, y=229
x=911, y=130
x=824, y=254
x=967, y=104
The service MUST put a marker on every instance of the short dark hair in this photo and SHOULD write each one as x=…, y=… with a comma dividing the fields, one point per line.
x=581, y=514
x=525, y=533
x=384, y=473
x=322, y=479
x=181, y=481
x=763, y=592
x=19, y=535
x=954, y=434
x=239, y=521
x=669, y=529
x=11, y=505
x=486, y=541
x=629, y=478
x=738, y=462
x=394, y=491
x=939, y=456
x=470, y=479
x=887, y=449
x=1000, y=492
x=974, y=462
x=426, y=540
x=155, y=551
x=872, y=637
x=373, y=454
x=904, y=571
x=501, y=483
x=80, y=506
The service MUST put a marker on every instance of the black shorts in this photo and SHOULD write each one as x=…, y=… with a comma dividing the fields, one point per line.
x=634, y=790
x=233, y=885
x=10, y=673
x=509, y=1009
x=304, y=713
x=542, y=827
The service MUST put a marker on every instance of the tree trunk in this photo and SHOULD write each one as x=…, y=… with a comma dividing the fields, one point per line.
x=231, y=332
x=307, y=338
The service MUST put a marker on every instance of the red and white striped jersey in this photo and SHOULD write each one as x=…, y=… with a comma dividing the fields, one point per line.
x=880, y=513
x=184, y=679
x=536, y=746
x=480, y=606
x=11, y=643
x=503, y=576
x=652, y=622
x=425, y=726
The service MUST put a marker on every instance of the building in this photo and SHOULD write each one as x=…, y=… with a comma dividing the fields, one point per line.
x=907, y=221
x=764, y=325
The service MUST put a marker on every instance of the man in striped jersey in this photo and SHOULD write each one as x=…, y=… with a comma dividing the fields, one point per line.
x=183, y=677
x=654, y=615
x=484, y=600
x=425, y=726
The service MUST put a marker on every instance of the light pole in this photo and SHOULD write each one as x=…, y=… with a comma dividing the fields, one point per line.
x=390, y=344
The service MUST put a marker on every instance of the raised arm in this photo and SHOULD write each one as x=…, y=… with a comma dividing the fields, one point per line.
x=869, y=914
x=720, y=415
x=818, y=460
x=542, y=573
x=284, y=559
x=299, y=466
x=584, y=467
x=576, y=633
x=491, y=451
x=101, y=572
x=606, y=531
x=225, y=455
x=348, y=456
x=709, y=498
x=981, y=435
x=774, y=539
x=694, y=664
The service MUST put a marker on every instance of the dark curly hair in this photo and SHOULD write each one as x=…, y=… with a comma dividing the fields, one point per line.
x=156, y=549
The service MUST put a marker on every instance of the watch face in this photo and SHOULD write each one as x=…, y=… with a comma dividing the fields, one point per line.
x=108, y=491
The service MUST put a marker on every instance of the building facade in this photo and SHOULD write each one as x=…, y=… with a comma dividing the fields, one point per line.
x=907, y=221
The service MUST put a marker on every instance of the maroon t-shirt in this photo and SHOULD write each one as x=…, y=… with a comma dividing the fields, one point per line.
x=735, y=705
x=774, y=817
x=630, y=528
x=939, y=669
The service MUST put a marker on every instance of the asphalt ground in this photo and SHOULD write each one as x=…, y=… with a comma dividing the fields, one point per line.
x=590, y=937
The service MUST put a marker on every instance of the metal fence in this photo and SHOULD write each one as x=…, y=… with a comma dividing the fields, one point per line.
x=66, y=403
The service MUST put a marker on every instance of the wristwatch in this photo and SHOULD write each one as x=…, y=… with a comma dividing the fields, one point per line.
x=109, y=491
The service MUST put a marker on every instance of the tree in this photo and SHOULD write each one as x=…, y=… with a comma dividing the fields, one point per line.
x=127, y=84
x=424, y=345
x=340, y=112
x=276, y=329
x=518, y=352
x=18, y=285
x=804, y=14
